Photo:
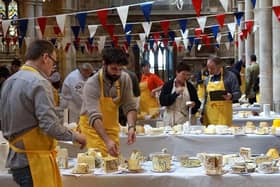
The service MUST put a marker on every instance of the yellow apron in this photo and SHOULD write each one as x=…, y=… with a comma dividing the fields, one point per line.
x=201, y=89
x=243, y=81
x=110, y=113
x=147, y=101
x=55, y=97
x=217, y=112
x=41, y=157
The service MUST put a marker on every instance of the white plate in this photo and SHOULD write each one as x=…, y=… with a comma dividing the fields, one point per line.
x=169, y=171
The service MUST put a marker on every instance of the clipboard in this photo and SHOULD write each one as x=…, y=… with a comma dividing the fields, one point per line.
x=217, y=95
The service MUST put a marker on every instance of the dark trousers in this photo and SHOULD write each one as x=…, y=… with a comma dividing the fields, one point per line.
x=252, y=100
x=22, y=177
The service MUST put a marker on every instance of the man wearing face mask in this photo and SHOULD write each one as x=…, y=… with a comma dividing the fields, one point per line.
x=103, y=93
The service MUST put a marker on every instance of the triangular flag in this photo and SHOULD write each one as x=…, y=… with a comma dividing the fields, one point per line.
x=191, y=39
x=90, y=41
x=220, y=19
x=5, y=26
x=238, y=16
x=197, y=6
x=75, y=30
x=225, y=4
x=177, y=41
x=197, y=32
x=101, y=43
x=186, y=43
x=245, y=33
x=123, y=12
x=142, y=36
x=276, y=10
x=128, y=28
x=110, y=29
x=165, y=42
x=185, y=34
x=156, y=36
x=183, y=24
x=146, y=9
x=53, y=41
x=230, y=38
x=165, y=25
x=232, y=27
x=147, y=27
x=202, y=22
x=254, y=3
x=82, y=20
x=140, y=45
x=249, y=25
x=23, y=27
x=199, y=47
x=92, y=30
x=60, y=20
x=102, y=16
x=56, y=30
x=172, y=35
x=20, y=41
x=42, y=22
x=215, y=30
x=115, y=41
x=219, y=37
x=128, y=39
x=38, y=32
x=151, y=43
x=227, y=45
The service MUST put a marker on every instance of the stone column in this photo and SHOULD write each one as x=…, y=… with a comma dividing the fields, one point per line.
x=29, y=12
x=249, y=42
x=39, y=8
x=257, y=32
x=265, y=59
x=241, y=44
x=276, y=62
x=70, y=57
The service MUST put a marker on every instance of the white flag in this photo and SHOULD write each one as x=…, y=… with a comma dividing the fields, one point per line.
x=92, y=30
x=177, y=40
x=5, y=26
x=142, y=37
x=27, y=41
x=38, y=32
x=186, y=43
x=219, y=37
x=199, y=47
x=231, y=27
x=185, y=34
x=225, y=4
x=101, y=43
x=227, y=45
x=147, y=27
x=140, y=45
x=60, y=19
x=202, y=22
x=123, y=12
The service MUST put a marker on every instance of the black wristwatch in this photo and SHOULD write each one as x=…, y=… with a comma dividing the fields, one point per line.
x=129, y=126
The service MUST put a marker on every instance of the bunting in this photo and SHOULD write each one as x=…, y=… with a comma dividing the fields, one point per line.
x=146, y=9
x=92, y=30
x=225, y=4
x=165, y=26
x=123, y=12
x=249, y=25
x=197, y=6
x=5, y=25
x=82, y=20
x=276, y=10
x=238, y=16
x=221, y=19
x=183, y=24
x=60, y=20
x=42, y=22
x=102, y=16
x=23, y=28
x=202, y=22
x=75, y=30
x=215, y=30
x=147, y=27
x=253, y=3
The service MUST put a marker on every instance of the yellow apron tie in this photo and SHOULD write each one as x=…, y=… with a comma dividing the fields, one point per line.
x=217, y=112
x=110, y=113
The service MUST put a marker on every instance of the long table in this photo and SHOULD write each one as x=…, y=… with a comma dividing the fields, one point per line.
x=192, y=144
x=179, y=177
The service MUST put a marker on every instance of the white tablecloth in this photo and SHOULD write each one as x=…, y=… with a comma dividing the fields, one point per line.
x=192, y=144
x=179, y=177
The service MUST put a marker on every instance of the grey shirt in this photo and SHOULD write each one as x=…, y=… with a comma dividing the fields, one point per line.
x=27, y=102
x=91, y=95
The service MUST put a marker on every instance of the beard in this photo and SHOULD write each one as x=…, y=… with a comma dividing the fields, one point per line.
x=112, y=78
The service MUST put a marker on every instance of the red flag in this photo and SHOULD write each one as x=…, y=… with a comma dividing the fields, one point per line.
x=156, y=36
x=67, y=47
x=277, y=11
x=174, y=44
x=115, y=41
x=8, y=40
x=197, y=6
x=249, y=25
x=220, y=19
x=102, y=16
x=241, y=35
x=180, y=48
x=110, y=29
x=56, y=30
x=245, y=33
x=42, y=22
x=165, y=25
x=165, y=42
x=198, y=32
x=236, y=43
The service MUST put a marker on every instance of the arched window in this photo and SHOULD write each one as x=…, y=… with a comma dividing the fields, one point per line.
x=9, y=10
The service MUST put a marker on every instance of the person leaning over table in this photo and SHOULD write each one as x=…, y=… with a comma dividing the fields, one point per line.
x=29, y=121
x=150, y=84
x=219, y=112
x=102, y=95
x=175, y=93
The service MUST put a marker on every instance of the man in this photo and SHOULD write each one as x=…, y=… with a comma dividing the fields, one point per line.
x=200, y=78
x=4, y=74
x=71, y=92
x=221, y=88
x=29, y=122
x=240, y=67
x=230, y=67
x=252, y=74
x=103, y=93
x=15, y=65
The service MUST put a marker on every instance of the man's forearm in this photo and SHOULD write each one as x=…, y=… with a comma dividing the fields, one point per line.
x=98, y=126
x=131, y=117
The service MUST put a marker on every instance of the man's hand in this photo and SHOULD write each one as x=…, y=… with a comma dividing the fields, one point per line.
x=131, y=136
x=81, y=139
x=112, y=148
x=228, y=96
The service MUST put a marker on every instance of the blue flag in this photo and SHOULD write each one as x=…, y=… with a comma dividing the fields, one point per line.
x=128, y=28
x=90, y=40
x=82, y=20
x=215, y=30
x=75, y=30
x=238, y=16
x=128, y=39
x=183, y=24
x=171, y=35
x=146, y=9
x=254, y=3
x=23, y=27
x=230, y=39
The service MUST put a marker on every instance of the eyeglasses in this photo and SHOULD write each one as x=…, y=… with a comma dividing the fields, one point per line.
x=54, y=61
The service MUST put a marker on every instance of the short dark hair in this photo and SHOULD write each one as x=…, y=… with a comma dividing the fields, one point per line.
x=16, y=62
x=4, y=72
x=37, y=48
x=114, y=56
x=183, y=66
x=253, y=58
x=145, y=63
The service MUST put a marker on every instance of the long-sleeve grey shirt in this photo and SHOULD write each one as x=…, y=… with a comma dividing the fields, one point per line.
x=91, y=95
x=27, y=102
